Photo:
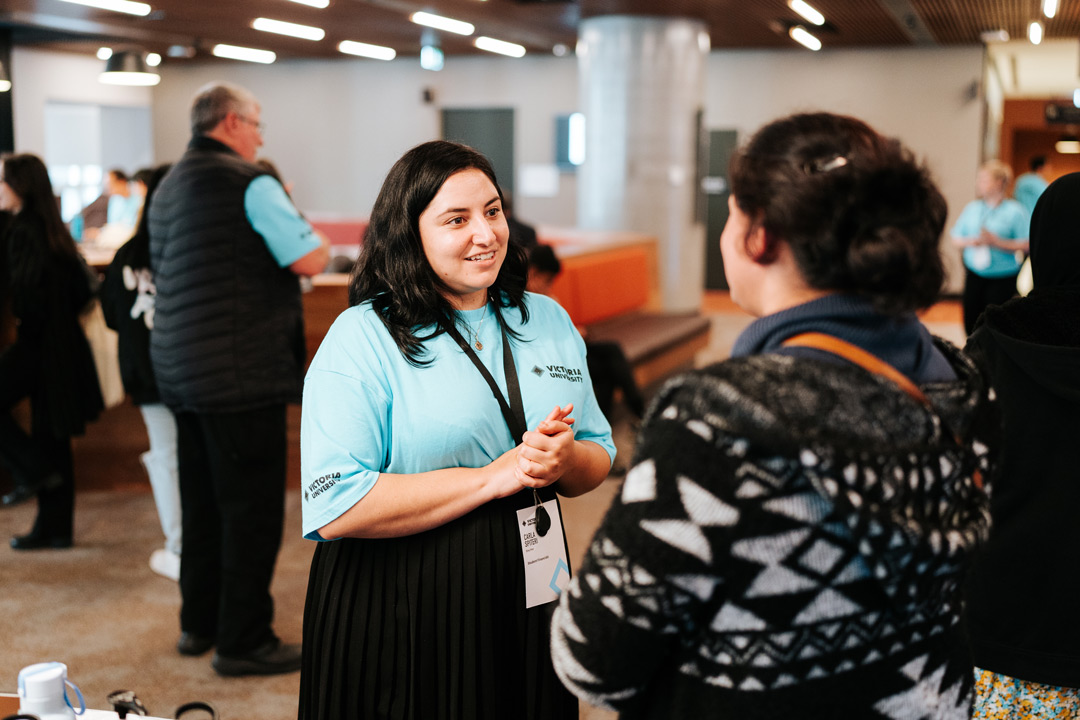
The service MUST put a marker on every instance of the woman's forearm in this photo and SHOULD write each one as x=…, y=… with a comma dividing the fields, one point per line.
x=591, y=466
x=399, y=505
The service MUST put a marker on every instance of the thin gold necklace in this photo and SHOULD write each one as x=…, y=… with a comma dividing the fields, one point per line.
x=476, y=333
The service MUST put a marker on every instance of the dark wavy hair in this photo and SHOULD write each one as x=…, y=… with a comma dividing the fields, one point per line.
x=27, y=176
x=392, y=270
x=858, y=212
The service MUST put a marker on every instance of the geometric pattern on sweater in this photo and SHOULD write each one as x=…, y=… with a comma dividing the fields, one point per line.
x=757, y=568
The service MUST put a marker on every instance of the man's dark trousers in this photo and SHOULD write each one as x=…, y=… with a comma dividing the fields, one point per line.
x=232, y=493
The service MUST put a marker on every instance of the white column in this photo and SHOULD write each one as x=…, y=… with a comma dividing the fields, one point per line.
x=642, y=85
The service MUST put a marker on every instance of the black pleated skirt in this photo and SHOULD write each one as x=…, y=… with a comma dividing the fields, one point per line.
x=431, y=626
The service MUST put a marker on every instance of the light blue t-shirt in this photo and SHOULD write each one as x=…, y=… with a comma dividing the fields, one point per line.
x=271, y=212
x=1008, y=220
x=124, y=210
x=1029, y=188
x=367, y=410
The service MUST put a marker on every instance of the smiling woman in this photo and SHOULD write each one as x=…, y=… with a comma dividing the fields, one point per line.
x=419, y=464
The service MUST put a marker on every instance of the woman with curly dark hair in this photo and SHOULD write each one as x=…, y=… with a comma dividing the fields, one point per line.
x=791, y=536
x=50, y=361
x=435, y=501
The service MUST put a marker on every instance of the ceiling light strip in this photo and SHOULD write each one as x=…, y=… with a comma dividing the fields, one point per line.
x=121, y=6
x=235, y=52
x=1035, y=32
x=375, y=52
x=499, y=46
x=442, y=23
x=809, y=13
x=313, y=3
x=804, y=38
x=305, y=32
x=1050, y=8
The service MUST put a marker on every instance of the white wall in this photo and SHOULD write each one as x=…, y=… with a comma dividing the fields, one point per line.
x=921, y=96
x=335, y=128
x=39, y=77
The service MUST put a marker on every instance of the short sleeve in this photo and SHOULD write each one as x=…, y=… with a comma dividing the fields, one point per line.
x=967, y=225
x=344, y=430
x=272, y=214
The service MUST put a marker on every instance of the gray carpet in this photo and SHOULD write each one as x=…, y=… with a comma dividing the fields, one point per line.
x=98, y=608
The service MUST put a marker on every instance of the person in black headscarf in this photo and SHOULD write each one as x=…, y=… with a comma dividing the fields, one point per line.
x=1023, y=589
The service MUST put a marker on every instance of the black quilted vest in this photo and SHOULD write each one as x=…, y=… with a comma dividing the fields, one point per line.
x=228, y=327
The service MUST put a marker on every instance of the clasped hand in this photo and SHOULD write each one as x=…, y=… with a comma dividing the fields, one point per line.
x=544, y=455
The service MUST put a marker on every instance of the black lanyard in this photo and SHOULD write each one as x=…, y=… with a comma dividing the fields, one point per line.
x=513, y=411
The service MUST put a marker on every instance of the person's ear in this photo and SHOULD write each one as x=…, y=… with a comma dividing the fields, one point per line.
x=760, y=246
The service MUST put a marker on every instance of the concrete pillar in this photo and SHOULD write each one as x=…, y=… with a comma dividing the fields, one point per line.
x=642, y=85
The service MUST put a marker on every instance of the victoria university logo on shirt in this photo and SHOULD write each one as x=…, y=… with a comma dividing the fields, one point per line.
x=558, y=372
x=321, y=485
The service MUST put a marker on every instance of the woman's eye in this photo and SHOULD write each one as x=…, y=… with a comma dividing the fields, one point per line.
x=494, y=212
x=457, y=221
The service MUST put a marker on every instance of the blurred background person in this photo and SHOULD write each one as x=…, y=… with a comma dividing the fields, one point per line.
x=993, y=232
x=608, y=366
x=50, y=361
x=1021, y=600
x=127, y=299
x=791, y=537
x=1031, y=184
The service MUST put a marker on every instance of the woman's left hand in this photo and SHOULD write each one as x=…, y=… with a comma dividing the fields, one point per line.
x=547, y=453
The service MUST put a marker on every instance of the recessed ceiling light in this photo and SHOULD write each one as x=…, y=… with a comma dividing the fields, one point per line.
x=442, y=23
x=809, y=13
x=989, y=36
x=120, y=6
x=560, y=50
x=1035, y=32
x=104, y=53
x=313, y=3
x=234, y=52
x=500, y=46
x=376, y=52
x=804, y=38
x=153, y=59
x=1050, y=8
x=1068, y=146
x=305, y=32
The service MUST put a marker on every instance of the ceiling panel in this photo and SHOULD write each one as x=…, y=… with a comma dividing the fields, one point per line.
x=538, y=25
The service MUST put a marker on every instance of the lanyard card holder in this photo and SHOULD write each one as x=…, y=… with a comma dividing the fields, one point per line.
x=539, y=520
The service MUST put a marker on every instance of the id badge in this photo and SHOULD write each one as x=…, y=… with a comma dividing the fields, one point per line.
x=547, y=571
x=979, y=257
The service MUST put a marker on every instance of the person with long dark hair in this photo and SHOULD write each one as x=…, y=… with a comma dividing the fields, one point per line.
x=790, y=539
x=1021, y=599
x=50, y=361
x=436, y=431
x=127, y=300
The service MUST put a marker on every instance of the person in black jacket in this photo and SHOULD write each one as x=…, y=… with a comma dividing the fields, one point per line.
x=50, y=361
x=227, y=247
x=1021, y=599
x=127, y=300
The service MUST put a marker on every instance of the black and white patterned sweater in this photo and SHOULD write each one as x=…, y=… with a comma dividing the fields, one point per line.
x=788, y=544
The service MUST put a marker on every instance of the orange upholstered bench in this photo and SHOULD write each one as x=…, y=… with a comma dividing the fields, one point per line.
x=610, y=292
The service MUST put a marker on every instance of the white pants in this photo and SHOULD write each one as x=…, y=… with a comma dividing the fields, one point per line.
x=161, y=466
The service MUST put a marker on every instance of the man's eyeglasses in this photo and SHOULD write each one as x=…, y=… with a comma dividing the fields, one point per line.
x=261, y=127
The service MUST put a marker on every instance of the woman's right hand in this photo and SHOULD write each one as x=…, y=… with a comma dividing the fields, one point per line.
x=501, y=475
